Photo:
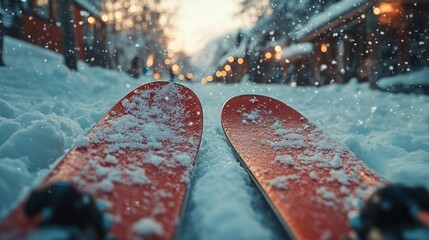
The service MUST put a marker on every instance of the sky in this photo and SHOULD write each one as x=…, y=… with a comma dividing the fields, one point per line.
x=199, y=21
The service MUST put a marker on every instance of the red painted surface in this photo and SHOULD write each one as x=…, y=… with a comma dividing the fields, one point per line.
x=42, y=32
x=45, y=32
x=300, y=204
x=130, y=203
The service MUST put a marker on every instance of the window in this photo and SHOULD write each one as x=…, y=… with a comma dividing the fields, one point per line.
x=41, y=8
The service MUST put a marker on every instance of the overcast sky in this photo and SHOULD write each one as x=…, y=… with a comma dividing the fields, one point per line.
x=199, y=21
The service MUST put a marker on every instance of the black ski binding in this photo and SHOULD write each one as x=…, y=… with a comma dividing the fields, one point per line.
x=62, y=206
x=394, y=212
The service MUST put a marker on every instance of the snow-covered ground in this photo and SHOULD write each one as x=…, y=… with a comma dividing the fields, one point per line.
x=45, y=109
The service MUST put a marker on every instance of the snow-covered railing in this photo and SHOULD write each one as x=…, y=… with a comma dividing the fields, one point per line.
x=297, y=49
x=332, y=13
x=412, y=78
x=91, y=8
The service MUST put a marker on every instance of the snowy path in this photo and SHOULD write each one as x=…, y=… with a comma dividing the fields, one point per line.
x=224, y=203
x=45, y=109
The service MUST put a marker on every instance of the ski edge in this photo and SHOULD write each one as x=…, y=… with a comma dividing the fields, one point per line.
x=185, y=202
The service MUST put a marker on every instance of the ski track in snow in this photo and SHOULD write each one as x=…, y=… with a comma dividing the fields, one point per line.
x=45, y=109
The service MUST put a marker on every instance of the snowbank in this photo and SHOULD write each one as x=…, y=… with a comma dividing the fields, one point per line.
x=44, y=109
x=298, y=49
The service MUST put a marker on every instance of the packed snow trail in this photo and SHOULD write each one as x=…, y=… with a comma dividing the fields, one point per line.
x=223, y=199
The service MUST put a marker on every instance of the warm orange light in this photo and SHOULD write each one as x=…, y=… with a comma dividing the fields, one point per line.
x=278, y=56
x=181, y=77
x=105, y=18
x=209, y=78
x=91, y=20
x=240, y=61
x=175, y=68
x=227, y=68
x=118, y=16
x=376, y=11
x=386, y=8
x=278, y=48
x=224, y=73
x=204, y=81
x=387, y=12
x=156, y=76
x=149, y=61
x=190, y=76
x=218, y=74
x=167, y=61
x=230, y=59
x=268, y=55
x=324, y=47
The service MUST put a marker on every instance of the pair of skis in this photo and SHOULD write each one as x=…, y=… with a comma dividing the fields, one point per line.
x=137, y=162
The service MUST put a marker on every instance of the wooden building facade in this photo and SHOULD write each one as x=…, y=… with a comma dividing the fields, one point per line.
x=38, y=22
x=371, y=40
x=362, y=39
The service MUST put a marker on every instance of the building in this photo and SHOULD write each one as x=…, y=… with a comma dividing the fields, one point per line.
x=363, y=39
x=38, y=22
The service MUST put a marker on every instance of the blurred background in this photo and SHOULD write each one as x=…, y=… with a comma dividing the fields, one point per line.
x=294, y=42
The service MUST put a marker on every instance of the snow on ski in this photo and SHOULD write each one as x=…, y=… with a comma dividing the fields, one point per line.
x=136, y=162
x=311, y=181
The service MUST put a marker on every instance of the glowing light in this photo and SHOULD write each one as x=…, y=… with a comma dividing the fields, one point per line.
x=324, y=47
x=209, y=78
x=240, y=61
x=227, y=67
x=224, y=73
x=181, y=77
x=218, y=74
x=167, y=61
x=278, y=48
x=105, y=18
x=386, y=8
x=91, y=20
x=190, y=76
x=204, y=81
x=278, y=56
x=376, y=11
x=389, y=13
x=128, y=23
x=230, y=59
x=156, y=76
x=268, y=55
x=41, y=3
x=175, y=68
x=118, y=16
x=149, y=61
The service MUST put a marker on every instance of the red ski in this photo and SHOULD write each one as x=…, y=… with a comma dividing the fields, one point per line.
x=310, y=180
x=137, y=161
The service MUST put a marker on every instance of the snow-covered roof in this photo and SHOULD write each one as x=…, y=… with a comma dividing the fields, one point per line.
x=333, y=12
x=207, y=60
x=239, y=51
x=217, y=51
x=297, y=49
x=88, y=6
x=272, y=44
